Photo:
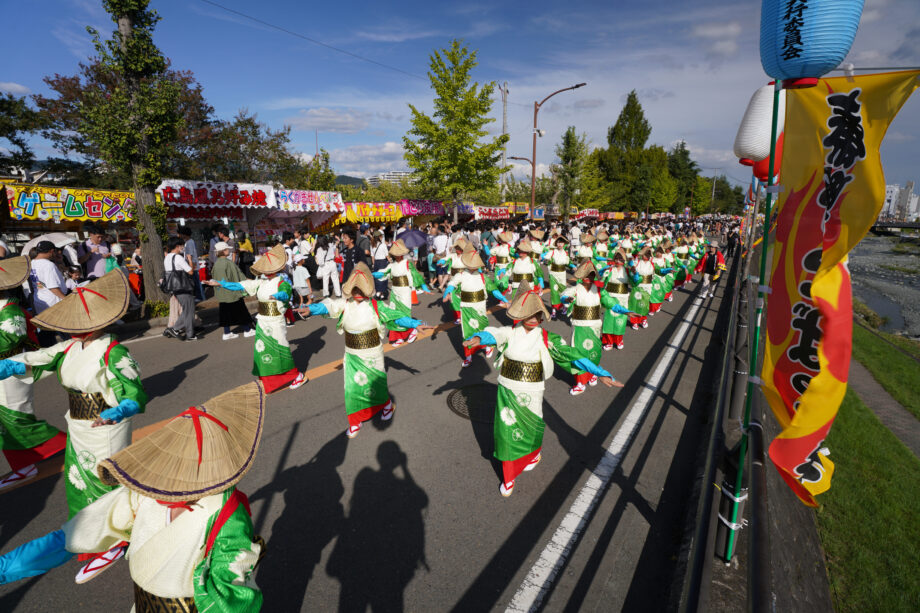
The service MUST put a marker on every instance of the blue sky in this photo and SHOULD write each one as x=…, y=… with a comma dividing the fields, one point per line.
x=694, y=65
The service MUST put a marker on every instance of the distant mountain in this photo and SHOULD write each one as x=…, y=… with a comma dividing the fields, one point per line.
x=346, y=180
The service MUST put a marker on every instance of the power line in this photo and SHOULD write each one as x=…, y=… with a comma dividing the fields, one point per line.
x=313, y=40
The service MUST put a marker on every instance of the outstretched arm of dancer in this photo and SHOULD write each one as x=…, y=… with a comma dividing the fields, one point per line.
x=34, y=558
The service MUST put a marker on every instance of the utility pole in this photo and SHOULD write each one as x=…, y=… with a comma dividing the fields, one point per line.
x=505, y=92
x=712, y=199
x=536, y=132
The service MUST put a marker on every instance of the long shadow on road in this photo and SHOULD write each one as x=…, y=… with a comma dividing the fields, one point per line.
x=486, y=589
x=166, y=382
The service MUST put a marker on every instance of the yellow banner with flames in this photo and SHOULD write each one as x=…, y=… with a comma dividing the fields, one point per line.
x=834, y=188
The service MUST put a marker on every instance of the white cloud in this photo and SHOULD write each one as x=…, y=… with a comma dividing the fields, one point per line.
x=731, y=29
x=367, y=160
x=395, y=35
x=14, y=88
x=341, y=121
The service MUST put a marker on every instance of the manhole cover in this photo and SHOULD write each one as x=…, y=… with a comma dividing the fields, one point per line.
x=474, y=402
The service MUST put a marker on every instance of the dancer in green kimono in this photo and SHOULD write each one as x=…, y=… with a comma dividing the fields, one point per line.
x=363, y=322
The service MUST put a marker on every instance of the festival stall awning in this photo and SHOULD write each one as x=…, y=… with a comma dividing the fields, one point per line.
x=517, y=208
x=188, y=212
x=68, y=204
x=319, y=206
x=414, y=208
x=201, y=194
x=492, y=212
x=372, y=212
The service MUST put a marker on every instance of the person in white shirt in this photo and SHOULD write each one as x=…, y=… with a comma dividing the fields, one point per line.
x=325, y=266
x=46, y=281
x=175, y=261
x=301, y=279
x=439, y=245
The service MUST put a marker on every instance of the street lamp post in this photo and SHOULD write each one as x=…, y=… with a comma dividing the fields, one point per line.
x=533, y=159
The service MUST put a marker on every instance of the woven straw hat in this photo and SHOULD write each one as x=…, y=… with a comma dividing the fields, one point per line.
x=13, y=271
x=558, y=238
x=621, y=255
x=524, y=246
x=505, y=237
x=526, y=303
x=584, y=269
x=202, y=451
x=603, y=236
x=88, y=308
x=587, y=239
x=271, y=262
x=472, y=260
x=645, y=252
x=361, y=278
x=399, y=248
x=538, y=234
x=462, y=244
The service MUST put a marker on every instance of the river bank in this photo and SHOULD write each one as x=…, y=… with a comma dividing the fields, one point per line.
x=886, y=277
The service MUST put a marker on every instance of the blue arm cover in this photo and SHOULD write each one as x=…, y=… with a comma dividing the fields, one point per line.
x=487, y=250
x=485, y=338
x=588, y=366
x=425, y=288
x=408, y=322
x=441, y=262
x=619, y=309
x=282, y=296
x=636, y=277
x=126, y=408
x=318, y=309
x=665, y=271
x=540, y=280
x=232, y=285
x=631, y=262
x=448, y=291
x=378, y=274
x=34, y=558
x=600, y=259
x=11, y=367
x=499, y=296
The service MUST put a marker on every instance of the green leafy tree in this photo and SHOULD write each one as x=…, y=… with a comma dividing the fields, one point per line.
x=699, y=205
x=83, y=164
x=594, y=192
x=247, y=150
x=573, y=154
x=447, y=151
x=319, y=175
x=684, y=171
x=17, y=120
x=137, y=121
x=632, y=129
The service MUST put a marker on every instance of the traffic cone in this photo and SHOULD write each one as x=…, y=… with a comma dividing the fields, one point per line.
x=414, y=298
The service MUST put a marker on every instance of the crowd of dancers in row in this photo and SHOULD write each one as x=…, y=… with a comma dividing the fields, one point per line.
x=169, y=499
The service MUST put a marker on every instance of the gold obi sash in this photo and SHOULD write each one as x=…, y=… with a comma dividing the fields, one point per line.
x=400, y=281
x=269, y=309
x=477, y=296
x=363, y=340
x=645, y=279
x=145, y=602
x=520, y=277
x=617, y=288
x=557, y=267
x=585, y=313
x=86, y=406
x=526, y=372
x=456, y=271
x=502, y=259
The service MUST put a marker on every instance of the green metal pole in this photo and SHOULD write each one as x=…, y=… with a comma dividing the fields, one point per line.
x=755, y=346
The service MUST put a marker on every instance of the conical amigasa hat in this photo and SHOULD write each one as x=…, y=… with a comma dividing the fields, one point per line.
x=399, y=248
x=200, y=452
x=271, y=261
x=526, y=302
x=88, y=308
x=13, y=272
x=584, y=269
x=362, y=278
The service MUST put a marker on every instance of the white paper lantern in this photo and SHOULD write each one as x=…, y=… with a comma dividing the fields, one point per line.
x=752, y=143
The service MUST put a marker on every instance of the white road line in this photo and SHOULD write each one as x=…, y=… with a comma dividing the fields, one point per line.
x=540, y=579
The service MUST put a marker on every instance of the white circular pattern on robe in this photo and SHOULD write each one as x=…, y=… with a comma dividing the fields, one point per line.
x=260, y=345
x=368, y=392
x=73, y=475
x=14, y=325
x=267, y=359
x=370, y=363
x=524, y=399
x=518, y=434
x=86, y=459
x=508, y=416
x=474, y=323
x=588, y=344
x=360, y=378
x=637, y=295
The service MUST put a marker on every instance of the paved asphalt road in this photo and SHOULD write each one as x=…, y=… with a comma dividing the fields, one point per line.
x=407, y=516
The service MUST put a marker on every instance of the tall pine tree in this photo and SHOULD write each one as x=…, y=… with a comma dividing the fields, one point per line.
x=684, y=172
x=572, y=153
x=446, y=151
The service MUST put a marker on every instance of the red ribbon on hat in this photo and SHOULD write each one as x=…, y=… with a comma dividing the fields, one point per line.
x=196, y=414
x=80, y=291
x=182, y=504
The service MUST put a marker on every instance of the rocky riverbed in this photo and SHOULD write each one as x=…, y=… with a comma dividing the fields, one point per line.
x=886, y=276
